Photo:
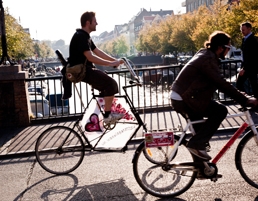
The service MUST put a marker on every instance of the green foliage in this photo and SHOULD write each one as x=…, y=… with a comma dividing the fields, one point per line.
x=19, y=43
x=117, y=47
x=122, y=46
x=188, y=32
x=42, y=50
x=246, y=11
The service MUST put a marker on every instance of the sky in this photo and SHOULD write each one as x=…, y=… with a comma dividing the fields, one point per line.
x=58, y=19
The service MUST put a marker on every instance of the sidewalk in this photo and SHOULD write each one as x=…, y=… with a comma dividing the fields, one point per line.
x=20, y=142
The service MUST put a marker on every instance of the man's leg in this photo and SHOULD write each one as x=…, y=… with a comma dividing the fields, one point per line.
x=253, y=81
x=108, y=103
x=181, y=108
x=186, y=112
x=107, y=87
x=215, y=114
x=241, y=81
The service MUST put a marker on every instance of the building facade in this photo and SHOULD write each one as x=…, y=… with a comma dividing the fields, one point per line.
x=192, y=5
x=131, y=29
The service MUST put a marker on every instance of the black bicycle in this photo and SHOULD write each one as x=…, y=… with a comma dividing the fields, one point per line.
x=89, y=133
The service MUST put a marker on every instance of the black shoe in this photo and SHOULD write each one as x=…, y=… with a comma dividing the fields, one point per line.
x=200, y=153
x=200, y=176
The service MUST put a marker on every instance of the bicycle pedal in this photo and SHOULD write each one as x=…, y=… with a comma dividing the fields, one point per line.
x=218, y=176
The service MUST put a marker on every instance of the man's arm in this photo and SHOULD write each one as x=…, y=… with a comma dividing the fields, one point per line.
x=103, y=55
x=101, y=58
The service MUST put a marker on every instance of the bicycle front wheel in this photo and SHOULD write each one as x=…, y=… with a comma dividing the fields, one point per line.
x=247, y=159
x=59, y=150
x=164, y=180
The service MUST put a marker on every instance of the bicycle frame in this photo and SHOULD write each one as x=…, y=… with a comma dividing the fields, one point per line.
x=139, y=122
x=248, y=123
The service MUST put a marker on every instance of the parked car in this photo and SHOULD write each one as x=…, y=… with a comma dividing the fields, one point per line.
x=39, y=106
x=151, y=77
x=38, y=90
x=234, y=55
x=167, y=78
x=57, y=105
x=183, y=59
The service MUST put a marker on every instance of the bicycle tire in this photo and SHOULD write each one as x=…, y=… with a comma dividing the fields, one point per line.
x=55, y=159
x=246, y=158
x=158, y=182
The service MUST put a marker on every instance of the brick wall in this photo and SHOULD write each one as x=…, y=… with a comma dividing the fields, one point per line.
x=14, y=101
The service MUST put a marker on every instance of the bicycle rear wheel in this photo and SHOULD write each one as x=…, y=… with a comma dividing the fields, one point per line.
x=160, y=180
x=59, y=150
x=247, y=159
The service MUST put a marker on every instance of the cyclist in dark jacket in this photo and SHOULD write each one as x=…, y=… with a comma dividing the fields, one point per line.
x=194, y=87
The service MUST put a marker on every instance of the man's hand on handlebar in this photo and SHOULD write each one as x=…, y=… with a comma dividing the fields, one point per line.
x=117, y=63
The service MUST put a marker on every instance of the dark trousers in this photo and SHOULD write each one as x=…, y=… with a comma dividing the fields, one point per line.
x=215, y=114
x=252, y=77
x=101, y=81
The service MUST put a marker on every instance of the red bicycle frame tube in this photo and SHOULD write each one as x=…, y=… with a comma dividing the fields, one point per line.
x=230, y=142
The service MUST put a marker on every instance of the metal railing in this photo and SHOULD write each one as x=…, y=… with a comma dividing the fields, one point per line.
x=154, y=95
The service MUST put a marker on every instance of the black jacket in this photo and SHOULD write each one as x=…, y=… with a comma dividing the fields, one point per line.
x=200, y=78
x=249, y=48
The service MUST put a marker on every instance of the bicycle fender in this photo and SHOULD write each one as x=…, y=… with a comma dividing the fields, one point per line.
x=244, y=139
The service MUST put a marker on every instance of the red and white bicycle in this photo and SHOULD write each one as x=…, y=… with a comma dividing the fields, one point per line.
x=177, y=168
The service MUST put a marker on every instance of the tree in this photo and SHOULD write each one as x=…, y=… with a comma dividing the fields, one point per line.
x=189, y=31
x=181, y=36
x=165, y=32
x=141, y=44
x=246, y=11
x=19, y=43
x=122, y=46
x=207, y=21
x=116, y=47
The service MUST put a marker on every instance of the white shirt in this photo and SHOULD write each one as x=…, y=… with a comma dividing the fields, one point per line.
x=175, y=96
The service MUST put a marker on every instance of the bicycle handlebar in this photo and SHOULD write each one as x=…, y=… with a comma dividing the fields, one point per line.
x=137, y=79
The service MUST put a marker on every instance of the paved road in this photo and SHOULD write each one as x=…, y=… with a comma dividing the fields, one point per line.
x=109, y=176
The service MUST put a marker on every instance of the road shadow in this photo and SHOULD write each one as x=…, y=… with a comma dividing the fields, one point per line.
x=65, y=187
